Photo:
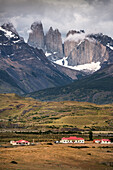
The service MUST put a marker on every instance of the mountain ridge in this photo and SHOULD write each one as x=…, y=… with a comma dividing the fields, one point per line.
x=28, y=67
x=25, y=69
x=79, y=48
x=96, y=88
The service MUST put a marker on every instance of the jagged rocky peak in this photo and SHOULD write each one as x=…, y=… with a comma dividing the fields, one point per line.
x=53, y=42
x=73, y=37
x=50, y=30
x=72, y=32
x=9, y=34
x=81, y=48
x=36, y=25
x=9, y=27
x=76, y=36
x=36, y=35
x=104, y=39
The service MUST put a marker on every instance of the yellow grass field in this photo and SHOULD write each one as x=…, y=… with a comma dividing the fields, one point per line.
x=29, y=114
x=57, y=157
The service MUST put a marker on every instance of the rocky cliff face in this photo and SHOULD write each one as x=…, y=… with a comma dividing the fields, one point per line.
x=105, y=41
x=87, y=52
x=80, y=49
x=36, y=36
x=73, y=38
x=53, y=43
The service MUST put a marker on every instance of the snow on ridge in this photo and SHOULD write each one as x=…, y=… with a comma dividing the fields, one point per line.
x=62, y=62
x=48, y=54
x=16, y=41
x=88, y=66
x=85, y=67
x=108, y=45
x=8, y=34
x=55, y=52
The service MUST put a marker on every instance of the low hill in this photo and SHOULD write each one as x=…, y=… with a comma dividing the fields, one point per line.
x=29, y=114
x=96, y=88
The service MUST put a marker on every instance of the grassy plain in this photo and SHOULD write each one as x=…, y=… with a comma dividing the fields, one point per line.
x=57, y=157
x=45, y=122
x=29, y=114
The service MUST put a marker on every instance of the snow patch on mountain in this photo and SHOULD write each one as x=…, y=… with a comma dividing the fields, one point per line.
x=91, y=67
x=10, y=34
x=111, y=47
x=62, y=62
x=47, y=54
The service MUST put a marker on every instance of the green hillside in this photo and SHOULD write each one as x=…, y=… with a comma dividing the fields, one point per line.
x=96, y=88
x=30, y=114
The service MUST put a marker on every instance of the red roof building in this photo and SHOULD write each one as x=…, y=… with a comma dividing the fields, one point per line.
x=20, y=142
x=72, y=139
x=102, y=141
x=105, y=141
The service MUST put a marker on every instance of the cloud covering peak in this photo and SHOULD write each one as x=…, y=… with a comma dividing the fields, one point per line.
x=90, y=15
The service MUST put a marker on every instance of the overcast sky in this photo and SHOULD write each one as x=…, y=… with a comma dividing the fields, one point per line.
x=90, y=15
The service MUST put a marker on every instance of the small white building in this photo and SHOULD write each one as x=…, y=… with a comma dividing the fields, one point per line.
x=97, y=141
x=20, y=142
x=72, y=139
x=105, y=141
x=102, y=141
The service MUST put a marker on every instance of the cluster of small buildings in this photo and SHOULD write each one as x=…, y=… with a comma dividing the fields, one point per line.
x=71, y=139
x=74, y=139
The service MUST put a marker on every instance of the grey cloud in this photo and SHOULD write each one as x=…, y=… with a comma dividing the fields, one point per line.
x=91, y=15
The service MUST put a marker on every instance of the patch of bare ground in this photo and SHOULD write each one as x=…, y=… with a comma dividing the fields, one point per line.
x=57, y=157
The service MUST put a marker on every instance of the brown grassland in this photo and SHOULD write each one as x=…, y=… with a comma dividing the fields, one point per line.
x=57, y=157
x=46, y=122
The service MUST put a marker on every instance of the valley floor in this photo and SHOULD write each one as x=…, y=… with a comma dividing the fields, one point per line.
x=44, y=156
